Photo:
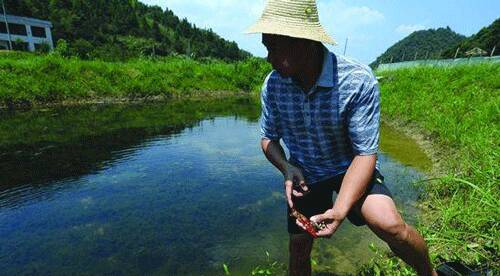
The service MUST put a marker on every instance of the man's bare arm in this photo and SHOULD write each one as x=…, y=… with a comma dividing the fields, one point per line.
x=276, y=155
x=355, y=182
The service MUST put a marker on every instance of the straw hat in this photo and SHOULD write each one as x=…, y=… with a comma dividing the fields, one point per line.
x=295, y=18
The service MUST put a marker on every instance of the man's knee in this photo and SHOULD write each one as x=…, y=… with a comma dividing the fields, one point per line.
x=383, y=218
x=393, y=231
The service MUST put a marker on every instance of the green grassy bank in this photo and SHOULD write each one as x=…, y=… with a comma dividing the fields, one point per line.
x=29, y=79
x=458, y=109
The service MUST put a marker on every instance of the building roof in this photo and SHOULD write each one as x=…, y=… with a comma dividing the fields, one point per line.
x=26, y=20
x=476, y=52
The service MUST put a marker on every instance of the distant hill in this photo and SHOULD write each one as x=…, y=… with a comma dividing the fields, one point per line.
x=426, y=43
x=486, y=39
x=120, y=29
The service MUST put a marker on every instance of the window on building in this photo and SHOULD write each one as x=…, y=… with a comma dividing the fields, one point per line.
x=3, y=29
x=17, y=29
x=38, y=31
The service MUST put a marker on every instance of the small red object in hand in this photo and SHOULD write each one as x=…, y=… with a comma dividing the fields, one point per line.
x=305, y=221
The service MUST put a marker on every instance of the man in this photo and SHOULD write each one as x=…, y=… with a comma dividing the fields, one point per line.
x=325, y=108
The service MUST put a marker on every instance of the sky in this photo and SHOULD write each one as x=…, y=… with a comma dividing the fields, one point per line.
x=369, y=26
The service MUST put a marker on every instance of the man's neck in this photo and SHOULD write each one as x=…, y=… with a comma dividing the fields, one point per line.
x=313, y=65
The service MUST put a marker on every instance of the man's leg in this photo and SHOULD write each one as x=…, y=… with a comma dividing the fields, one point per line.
x=381, y=215
x=300, y=246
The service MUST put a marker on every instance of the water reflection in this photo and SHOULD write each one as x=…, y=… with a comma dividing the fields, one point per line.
x=165, y=198
x=44, y=147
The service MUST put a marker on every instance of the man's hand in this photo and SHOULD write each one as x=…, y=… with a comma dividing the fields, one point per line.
x=294, y=175
x=331, y=218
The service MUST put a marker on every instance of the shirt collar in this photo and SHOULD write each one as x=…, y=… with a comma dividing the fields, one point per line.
x=326, y=77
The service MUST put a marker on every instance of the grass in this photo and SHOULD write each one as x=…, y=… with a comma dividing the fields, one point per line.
x=29, y=79
x=458, y=108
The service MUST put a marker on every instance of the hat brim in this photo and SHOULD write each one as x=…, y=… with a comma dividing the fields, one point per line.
x=313, y=32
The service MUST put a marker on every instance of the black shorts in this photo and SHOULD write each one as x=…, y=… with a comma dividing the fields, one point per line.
x=320, y=199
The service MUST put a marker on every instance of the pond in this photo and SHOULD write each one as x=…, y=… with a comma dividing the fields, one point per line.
x=166, y=189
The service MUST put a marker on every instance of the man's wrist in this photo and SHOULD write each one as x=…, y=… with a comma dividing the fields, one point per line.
x=286, y=167
x=339, y=212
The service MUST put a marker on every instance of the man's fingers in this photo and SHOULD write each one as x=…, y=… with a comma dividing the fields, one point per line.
x=300, y=189
x=325, y=233
x=329, y=230
x=288, y=192
x=300, y=224
x=290, y=202
x=303, y=185
x=317, y=218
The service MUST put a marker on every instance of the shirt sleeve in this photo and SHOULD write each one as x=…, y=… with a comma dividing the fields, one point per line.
x=364, y=119
x=268, y=118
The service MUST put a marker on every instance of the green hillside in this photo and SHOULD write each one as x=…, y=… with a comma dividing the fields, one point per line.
x=487, y=38
x=120, y=29
x=420, y=44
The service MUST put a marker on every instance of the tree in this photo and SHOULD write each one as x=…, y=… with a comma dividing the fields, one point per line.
x=91, y=27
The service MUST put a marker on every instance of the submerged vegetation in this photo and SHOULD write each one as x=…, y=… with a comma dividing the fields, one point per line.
x=29, y=78
x=458, y=109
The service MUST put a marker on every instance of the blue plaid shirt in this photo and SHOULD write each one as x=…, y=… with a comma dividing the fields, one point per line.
x=324, y=129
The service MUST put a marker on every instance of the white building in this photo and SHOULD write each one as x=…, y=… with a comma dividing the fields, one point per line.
x=31, y=31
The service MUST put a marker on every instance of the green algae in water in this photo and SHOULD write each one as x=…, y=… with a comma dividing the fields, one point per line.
x=403, y=148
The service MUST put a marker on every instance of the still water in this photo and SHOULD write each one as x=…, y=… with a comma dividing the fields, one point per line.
x=171, y=189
